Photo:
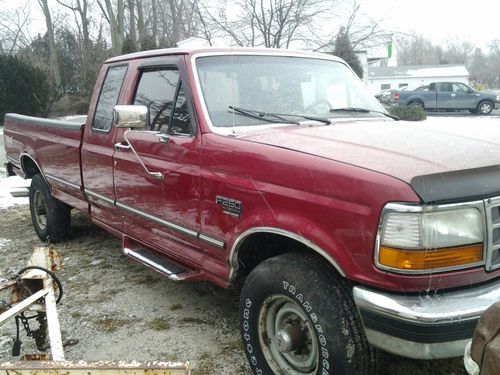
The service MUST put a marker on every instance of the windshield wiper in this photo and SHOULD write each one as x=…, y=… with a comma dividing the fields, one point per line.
x=307, y=117
x=261, y=115
x=363, y=110
x=279, y=116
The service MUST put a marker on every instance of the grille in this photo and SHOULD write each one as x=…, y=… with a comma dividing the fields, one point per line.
x=493, y=228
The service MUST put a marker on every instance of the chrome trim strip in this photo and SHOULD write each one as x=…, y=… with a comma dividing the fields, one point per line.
x=155, y=219
x=14, y=161
x=99, y=196
x=233, y=256
x=62, y=182
x=414, y=208
x=212, y=241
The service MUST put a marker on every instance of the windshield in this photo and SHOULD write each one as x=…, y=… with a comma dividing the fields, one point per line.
x=279, y=84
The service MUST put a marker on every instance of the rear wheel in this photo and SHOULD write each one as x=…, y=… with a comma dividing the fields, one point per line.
x=298, y=318
x=485, y=107
x=416, y=103
x=51, y=217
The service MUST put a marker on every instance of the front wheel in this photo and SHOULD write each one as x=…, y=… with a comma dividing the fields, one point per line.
x=485, y=107
x=51, y=217
x=298, y=318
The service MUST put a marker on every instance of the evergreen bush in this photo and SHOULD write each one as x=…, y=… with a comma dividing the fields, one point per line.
x=409, y=113
x=23, y=88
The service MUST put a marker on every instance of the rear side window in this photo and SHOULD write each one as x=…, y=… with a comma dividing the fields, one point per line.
x=108, y=98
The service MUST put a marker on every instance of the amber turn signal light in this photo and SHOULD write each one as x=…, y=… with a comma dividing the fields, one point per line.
x=420, y=260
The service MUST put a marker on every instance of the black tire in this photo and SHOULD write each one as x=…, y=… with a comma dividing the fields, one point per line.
x=416, y=103
x=323, y=334
x=485, y=107
x=51, y=217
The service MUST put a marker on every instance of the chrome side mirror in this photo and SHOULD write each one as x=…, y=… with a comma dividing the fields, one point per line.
x=131, y=116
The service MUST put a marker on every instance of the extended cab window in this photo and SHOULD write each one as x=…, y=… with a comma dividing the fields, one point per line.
x=108, y=98
x=162, y=92
x=446, y=87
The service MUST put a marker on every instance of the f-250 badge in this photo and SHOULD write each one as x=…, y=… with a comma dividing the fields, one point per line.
x=229, y=206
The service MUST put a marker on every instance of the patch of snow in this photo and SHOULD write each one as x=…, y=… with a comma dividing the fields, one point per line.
x=6, y=185
x=4, y=241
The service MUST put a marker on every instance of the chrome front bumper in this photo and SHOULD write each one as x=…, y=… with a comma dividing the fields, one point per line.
x=426, y=326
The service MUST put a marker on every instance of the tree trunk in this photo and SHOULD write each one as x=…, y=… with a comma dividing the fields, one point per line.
x=141, y=28
x=54, y=61
x=132, y=28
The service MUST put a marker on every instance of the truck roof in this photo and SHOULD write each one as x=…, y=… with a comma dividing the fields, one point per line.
x=217, y=50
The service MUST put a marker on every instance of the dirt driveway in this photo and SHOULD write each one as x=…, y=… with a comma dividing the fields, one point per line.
x=119, y=310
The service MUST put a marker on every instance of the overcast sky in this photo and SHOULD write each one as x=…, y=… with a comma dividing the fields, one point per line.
x=476, y=21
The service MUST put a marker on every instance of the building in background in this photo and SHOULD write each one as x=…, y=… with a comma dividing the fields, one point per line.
x=413, y=76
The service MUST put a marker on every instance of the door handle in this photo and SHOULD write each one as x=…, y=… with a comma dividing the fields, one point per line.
x=121, y=146
x=163, y=138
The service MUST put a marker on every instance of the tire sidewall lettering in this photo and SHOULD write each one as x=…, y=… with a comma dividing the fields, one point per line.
x=254, y=356
x=308, y=309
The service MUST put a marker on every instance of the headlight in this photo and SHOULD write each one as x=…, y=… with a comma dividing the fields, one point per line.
x=430, y=238
x=498, y=98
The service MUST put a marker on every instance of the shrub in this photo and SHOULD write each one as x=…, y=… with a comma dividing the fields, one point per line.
x=23, y=88
x=409, y=113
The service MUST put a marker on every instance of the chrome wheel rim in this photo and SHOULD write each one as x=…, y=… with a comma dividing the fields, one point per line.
x=40, y=210
x=287, y=337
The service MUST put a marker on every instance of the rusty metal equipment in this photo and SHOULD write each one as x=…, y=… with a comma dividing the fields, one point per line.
x=31, y=297
x=94, y=368
x=32, y=292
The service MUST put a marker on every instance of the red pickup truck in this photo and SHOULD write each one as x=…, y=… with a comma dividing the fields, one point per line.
x=278, y=171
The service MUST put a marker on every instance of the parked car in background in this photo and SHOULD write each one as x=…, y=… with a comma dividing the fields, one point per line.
x=384, y=96
x=447, y=96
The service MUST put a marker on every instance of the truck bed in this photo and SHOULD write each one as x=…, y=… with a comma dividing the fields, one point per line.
x=54, y=146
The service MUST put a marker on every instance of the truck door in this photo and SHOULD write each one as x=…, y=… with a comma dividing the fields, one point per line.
x=462, y=97
x=162, y=213
x=97, y=149
x=443, y=96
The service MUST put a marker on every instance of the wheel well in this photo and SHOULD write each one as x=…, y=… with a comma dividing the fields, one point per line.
x=416, y=101
x=30, y=168
x=258, y=247
x=485, y=101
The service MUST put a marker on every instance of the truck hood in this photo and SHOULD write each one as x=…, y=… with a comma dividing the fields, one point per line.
x=422, y=154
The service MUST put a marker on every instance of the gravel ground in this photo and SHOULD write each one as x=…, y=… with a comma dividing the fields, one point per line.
x=119, y=310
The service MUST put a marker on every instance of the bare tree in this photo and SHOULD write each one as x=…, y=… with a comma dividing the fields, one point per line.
x=14, y=33
x=175, y=20
x=115, y=16
x=54, y=61
x=267, y=23
x=362, y=30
